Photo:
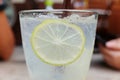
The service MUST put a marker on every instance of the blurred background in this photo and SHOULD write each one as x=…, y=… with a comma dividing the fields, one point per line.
x=108, y=24
x=108, y=20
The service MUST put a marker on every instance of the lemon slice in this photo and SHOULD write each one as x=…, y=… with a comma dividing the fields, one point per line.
x=57, y=42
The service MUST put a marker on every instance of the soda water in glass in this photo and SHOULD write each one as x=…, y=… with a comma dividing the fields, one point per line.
x=58, y=44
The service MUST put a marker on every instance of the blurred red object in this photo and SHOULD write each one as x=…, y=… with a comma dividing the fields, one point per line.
x=6, y=38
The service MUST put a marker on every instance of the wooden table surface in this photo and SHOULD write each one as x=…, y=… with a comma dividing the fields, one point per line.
x=16, y=69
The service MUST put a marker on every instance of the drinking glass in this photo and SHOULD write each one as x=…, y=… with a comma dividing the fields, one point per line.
x=58, y=44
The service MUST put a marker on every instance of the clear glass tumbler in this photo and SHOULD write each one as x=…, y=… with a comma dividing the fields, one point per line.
x=58, y=44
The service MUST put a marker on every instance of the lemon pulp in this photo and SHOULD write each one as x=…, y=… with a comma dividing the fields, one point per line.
x=57, y=42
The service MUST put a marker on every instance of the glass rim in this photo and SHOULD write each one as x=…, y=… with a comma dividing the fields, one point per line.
x=57, y=10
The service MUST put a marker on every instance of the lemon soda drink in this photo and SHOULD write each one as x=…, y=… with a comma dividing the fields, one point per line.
x=58, y=44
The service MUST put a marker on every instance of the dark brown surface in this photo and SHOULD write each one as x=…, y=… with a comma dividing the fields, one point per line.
x=114, y=20
x=18, y=7
x=112, y=25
